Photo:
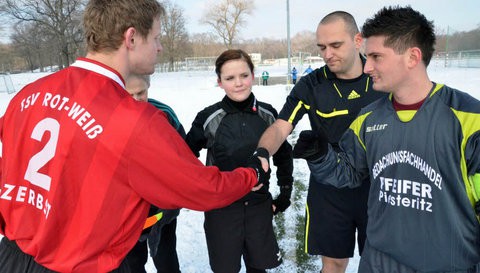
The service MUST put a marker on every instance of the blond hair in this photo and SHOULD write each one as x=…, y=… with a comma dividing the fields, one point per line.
x=105, y=21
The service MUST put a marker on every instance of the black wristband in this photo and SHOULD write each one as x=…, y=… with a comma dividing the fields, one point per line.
x=261, y=152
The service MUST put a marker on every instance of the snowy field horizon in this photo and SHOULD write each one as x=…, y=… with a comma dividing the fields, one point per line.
x=190, y=92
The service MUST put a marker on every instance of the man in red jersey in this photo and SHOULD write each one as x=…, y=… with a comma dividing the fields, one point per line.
x=82, y=161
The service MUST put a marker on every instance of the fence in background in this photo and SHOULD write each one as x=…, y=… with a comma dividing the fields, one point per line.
x=466, y=59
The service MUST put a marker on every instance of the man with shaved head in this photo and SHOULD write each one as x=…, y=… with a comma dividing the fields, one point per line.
x=331, y=96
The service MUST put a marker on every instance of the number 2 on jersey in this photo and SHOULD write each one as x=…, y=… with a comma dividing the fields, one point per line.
x=41, y=158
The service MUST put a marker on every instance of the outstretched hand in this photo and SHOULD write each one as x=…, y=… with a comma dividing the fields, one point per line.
x=311, y=145
x=260, y=165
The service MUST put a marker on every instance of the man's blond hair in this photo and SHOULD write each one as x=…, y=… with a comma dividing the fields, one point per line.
x=105, y=21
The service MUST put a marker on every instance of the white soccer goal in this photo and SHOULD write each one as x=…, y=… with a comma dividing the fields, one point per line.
x=200, y=63
x=6, y=84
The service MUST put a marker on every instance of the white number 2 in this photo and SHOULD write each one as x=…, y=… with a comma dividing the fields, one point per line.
x=44, y=155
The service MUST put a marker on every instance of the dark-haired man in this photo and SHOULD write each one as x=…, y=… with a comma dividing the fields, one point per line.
x=420, y=150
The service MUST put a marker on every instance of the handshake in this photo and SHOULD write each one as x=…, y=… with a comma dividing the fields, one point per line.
x=282, y=202
x=262, y=168
x=311, y=145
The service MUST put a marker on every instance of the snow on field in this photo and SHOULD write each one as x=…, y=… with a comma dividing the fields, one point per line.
x=188, y=93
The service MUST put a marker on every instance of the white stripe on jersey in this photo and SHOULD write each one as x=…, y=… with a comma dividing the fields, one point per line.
x=98, y=69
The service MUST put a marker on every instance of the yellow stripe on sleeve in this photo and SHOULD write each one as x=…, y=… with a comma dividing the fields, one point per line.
x=295, y=111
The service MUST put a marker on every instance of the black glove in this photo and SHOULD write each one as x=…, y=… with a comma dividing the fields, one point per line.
x=311, y=145
x=283, y=199
x=262, y=176
x=262, y=152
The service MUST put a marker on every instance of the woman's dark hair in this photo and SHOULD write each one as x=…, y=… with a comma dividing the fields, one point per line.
x=232, y=54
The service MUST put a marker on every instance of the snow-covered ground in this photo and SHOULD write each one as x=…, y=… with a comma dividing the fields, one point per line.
x=188, y=93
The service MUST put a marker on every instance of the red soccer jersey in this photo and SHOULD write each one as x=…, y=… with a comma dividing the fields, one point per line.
x=81, y=162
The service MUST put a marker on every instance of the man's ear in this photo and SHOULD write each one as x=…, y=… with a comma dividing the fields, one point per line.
x=130, y=37
x=414, y=55
x=358, y=40
x=219, y=82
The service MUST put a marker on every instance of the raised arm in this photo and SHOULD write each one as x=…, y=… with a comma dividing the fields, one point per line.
x=275, y=135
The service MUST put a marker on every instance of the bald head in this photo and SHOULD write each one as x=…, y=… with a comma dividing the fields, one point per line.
x=347, y=18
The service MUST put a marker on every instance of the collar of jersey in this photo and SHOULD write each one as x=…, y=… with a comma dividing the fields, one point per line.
x=327, y=74
x=99, y=68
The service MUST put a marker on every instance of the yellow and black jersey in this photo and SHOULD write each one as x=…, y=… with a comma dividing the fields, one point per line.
x=331, y=103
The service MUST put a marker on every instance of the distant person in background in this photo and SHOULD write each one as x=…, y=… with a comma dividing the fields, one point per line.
x=265, y=77
x=230, y=130
x=417, y=148
x=294, y=75
x=308, y=70
x=331, y=96
x=160, y=229
x=82, y=161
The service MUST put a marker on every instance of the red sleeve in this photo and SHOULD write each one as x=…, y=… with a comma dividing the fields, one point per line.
x=165, y=172
x=1, y=147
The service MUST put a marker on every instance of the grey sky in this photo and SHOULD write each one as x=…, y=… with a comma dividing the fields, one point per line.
x=269, y=18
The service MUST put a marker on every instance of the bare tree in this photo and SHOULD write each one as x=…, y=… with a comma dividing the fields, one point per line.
x=174, y=35
x=226, y=17
x=26, y=42
x=8, y=62
x=204, y=45
x=305, y=41
x=269, y=48
x=457, y=41
x=60, y=18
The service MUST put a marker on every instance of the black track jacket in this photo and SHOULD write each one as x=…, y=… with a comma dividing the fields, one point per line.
x=230, y=132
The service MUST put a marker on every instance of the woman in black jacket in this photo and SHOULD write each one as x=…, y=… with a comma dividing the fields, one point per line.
x=230, y=130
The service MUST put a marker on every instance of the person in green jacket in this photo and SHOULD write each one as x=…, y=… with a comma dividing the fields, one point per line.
x=265, y=77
